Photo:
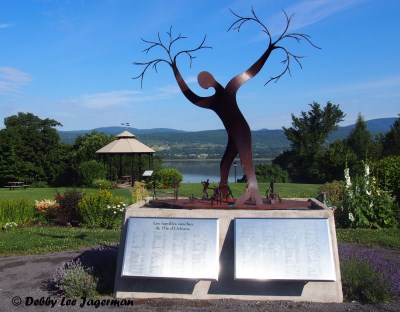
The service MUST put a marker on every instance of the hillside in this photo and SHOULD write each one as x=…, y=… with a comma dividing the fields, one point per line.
x=171, y=143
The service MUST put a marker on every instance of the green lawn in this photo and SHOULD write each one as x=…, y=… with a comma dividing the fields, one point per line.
x=33, y=194
x=41, y=240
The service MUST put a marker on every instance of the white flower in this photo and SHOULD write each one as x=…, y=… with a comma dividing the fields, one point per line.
x=347, y=177
x=366, y=168
x=115, y=212
x=108, y=207
x=351, y=217
x=118, y=206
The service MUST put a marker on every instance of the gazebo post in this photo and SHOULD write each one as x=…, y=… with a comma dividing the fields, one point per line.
x=110, y=173
x=120, y=165
x=132, y=180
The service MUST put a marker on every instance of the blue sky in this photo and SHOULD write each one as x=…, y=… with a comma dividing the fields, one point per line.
x=72, y=61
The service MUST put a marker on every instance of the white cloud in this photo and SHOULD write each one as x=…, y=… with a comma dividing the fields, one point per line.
x=2, y=26
x=311, y=11
x=365, y=86
x=11, y=79
x=105, y=99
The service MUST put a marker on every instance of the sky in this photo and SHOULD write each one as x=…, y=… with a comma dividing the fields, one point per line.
x=73, y=60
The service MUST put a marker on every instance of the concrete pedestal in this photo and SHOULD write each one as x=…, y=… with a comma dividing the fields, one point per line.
x=227, y=286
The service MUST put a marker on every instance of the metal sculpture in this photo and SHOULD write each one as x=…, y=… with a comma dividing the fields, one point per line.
x=223, y=101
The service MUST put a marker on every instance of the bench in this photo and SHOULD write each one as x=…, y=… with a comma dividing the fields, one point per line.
x=16, y=185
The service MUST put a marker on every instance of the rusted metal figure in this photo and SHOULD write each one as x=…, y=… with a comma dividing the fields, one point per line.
x=223, y=101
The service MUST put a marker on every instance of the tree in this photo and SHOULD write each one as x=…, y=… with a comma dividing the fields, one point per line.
x=223, y=101
x=360, y=139
x=391, y=140
x=33, y=142
x=308, y=136
x=271, y=173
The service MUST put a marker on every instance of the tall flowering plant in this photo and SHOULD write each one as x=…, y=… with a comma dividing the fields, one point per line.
x=365, y=205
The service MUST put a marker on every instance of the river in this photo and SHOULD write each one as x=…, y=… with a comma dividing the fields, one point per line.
x=195, y=171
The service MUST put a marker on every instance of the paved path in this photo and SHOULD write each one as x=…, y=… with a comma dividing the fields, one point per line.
x=22, y=278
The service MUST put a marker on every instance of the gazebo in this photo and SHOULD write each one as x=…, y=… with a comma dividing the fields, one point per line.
x=126, y=144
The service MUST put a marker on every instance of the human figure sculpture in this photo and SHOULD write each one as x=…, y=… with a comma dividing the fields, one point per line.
x=223, y=102
x=205, y=188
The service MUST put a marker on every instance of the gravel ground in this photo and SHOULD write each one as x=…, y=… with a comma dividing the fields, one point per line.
x=22, y=280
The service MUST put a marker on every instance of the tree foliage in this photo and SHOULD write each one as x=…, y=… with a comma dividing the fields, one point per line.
x=391, y=140
x=271, y=173
x=308, y=136
x=29, y=146
x=360, y=139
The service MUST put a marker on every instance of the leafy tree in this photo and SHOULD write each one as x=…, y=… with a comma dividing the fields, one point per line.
x=335, y=159
x=30, y=146
x=308, y=136
x=85, y=146
x=360, y=139
x=271, y=173
x=391, y=140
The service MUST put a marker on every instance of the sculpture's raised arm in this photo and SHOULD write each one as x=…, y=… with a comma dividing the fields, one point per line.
x=172, y=61
x=236, y=82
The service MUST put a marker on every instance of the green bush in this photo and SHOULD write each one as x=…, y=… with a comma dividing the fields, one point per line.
x=73, y=280
x=101, y=209
x=91, y=170
x=271, y=173
x=365, y=205
x=362, y=283
x=68, y=210
x=19, y=211
x=387, y=171
x=168, y=177
x=102, y=184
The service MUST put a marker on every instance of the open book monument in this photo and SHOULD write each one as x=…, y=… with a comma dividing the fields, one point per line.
x=224, y=247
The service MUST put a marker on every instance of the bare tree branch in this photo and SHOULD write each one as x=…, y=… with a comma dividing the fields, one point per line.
x=274, y=45
x=167, y=47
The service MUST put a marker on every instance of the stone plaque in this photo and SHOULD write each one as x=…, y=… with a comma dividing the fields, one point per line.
x=283, y=249
x=171, y=248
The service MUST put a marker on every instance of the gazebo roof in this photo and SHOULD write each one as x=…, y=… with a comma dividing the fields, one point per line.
x=125, y=143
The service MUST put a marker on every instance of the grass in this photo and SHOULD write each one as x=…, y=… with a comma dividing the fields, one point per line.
x=33, y=194
x=381, y=237
x=41, y=240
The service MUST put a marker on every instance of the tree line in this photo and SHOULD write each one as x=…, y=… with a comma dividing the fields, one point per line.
x=31, y=151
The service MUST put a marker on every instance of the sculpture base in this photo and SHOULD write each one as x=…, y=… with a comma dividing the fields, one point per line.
x=227, y=287
x=269, y=204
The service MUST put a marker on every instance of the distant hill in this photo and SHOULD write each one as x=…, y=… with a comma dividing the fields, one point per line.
x=172, y=143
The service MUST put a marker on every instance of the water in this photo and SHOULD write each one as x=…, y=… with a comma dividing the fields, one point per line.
x=195, y=171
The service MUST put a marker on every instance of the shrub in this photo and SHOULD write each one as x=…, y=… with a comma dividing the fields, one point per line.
x=387, y=172
x=93, y=272
x=91, y=170
x=19, y=211
x=168, y=177
x=362, y=283
x=365, y=205
x=367, y=277
x=102, y=184
x=68, y=210
x=73, y=280
x=101, y=209
x=139, y=191
x=103, y=264
x=271, y=173
x=46, y=210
